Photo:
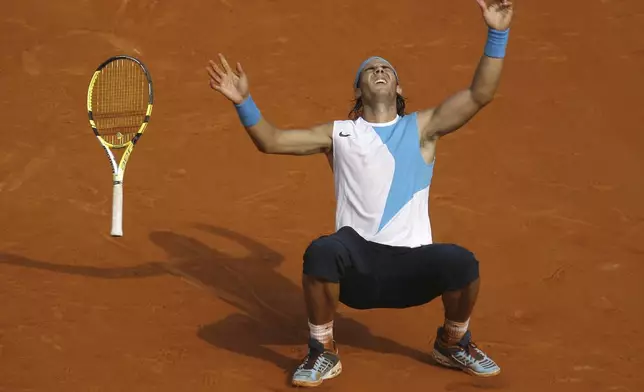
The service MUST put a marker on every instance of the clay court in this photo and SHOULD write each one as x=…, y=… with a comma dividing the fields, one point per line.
x=203, y=291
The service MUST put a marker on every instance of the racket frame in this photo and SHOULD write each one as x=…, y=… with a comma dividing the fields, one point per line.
x=118, y=170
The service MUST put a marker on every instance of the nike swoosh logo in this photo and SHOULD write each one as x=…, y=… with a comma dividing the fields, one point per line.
x=344, y=134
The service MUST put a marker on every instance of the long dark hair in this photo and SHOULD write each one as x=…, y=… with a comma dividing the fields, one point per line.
x=358, y=107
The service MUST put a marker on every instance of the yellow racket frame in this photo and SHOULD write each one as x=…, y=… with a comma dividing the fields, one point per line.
x=118, y=170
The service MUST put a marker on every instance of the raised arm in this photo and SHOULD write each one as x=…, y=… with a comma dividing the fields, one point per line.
x=266, y=137
x=457, y=110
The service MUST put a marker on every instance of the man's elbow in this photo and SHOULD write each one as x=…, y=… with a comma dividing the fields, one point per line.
x=482, y=99
x=482, y=95
x=267, y=143
x=268, y=149
x=265, y=146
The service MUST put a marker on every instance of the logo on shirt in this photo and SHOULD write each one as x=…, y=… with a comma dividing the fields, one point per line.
x=344, y=134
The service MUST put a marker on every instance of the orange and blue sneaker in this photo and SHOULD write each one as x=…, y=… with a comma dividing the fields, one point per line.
x=464, y=355
x=320, y=364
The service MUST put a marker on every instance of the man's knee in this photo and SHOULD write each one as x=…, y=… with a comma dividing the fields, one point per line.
x=462, y=267
x=323, y=259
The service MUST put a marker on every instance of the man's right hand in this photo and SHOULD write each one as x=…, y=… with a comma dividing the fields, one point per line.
x=231, y=85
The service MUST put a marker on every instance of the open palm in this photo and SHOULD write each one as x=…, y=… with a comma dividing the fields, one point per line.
x=233, y=86
x=497, y=14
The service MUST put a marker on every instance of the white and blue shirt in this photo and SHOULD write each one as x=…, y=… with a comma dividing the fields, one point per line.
x=382, y=181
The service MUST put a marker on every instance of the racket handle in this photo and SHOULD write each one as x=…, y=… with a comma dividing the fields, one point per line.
x=117, y=210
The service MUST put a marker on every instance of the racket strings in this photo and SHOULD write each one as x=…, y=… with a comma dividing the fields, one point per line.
x=120, y=101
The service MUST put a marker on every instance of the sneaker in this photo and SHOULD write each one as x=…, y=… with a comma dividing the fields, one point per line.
x=465, y=355
x=317, y=366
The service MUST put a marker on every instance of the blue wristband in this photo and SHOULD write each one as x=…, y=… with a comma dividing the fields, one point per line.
x=248, y=112
x=496, y=43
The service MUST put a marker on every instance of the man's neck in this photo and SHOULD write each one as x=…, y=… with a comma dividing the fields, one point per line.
x=379, y=113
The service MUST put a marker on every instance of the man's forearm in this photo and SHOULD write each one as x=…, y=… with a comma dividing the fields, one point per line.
x=488, y=73
x=261, y=132
x=486, y=79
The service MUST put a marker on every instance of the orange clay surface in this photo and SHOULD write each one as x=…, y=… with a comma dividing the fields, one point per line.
x=203, y=292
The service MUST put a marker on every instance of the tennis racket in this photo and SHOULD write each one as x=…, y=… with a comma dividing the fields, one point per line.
x=119, y=105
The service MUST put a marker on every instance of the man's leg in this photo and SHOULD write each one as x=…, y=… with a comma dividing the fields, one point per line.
x=458, y=305
x=321, y=298
x=415, y=276
x=326, y=261
x=453, y=346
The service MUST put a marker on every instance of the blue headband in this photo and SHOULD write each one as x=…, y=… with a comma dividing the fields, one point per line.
x=364, y=63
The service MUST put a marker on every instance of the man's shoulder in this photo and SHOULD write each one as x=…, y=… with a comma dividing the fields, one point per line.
x=339, y=125
x=412, y=115
x=344, y=122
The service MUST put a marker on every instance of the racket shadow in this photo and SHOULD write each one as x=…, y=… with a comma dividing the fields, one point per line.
x=135, y=272
x=271, y=307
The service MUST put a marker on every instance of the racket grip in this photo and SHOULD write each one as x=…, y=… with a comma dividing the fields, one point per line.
x=117, y=210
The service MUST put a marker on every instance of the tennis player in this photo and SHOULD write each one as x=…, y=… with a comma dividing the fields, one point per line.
x=381, y=254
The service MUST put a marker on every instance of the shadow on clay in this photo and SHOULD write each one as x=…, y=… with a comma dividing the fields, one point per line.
x=271, y=307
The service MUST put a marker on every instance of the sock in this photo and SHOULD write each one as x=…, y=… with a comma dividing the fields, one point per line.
x=454, y=331
x=322, y=333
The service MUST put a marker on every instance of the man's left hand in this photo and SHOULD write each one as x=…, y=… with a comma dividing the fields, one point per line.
x=497, y=14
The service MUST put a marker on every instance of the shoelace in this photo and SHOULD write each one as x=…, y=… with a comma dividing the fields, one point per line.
x=321, y=363
x=466, y=356
x=474, y=348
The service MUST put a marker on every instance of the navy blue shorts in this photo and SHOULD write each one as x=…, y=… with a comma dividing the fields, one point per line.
x=373, y=275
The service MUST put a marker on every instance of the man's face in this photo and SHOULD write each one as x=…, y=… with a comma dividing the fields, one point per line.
x=378, y=80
